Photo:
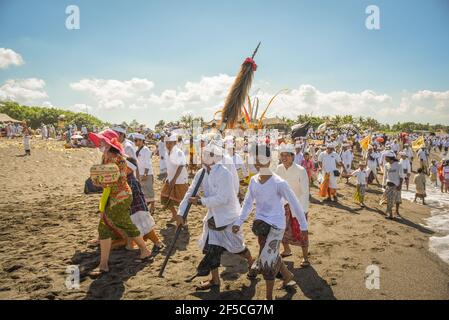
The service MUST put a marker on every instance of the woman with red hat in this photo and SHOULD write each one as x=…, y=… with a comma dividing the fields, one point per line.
x=115, y=221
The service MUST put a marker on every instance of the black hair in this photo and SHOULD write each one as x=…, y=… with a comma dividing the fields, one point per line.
x=420, y=170
x=114, y=150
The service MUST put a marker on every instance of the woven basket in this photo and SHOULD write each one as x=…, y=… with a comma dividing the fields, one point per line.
x=105, y=173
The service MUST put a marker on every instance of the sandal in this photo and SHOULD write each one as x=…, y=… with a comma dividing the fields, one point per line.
x=207, y=285
x=305, y=264
x=285, y=255
x=290, y=282
x=288, y=285
x=144, y=260
x=96, y=273
x=93, y=243
x=156, y=249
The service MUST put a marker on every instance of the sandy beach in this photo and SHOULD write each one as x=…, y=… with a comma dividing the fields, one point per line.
x=46, y=221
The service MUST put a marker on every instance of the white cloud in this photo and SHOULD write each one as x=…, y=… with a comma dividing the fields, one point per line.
x=110, y=94
x=25, y=91
x=309, y=100
x=9, y=57
x=202, y=93
x=206, y=96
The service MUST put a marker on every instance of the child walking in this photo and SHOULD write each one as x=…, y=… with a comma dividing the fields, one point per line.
x=434, y=173
x=307, y=163
x=361, y=174
x=26, y=140
x=420, y=183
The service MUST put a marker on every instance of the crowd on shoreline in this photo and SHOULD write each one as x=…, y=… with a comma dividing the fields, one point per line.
x=237, y=172
x=234, y=173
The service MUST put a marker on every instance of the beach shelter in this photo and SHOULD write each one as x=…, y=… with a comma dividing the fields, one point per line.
x=4, y=118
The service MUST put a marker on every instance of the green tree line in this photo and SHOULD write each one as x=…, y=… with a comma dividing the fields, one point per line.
x=35, y=116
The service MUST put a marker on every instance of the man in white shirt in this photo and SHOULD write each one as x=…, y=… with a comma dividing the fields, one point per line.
x=299, y=156
x=423, y=159
x=347, y=157
x=328, y=161
x=227, y=161
x=297, y=178
x=406, y=167
x=44, y=132
x=223, y=210
x=393, y=178
x=239, y=164
x=128, y=145
x=176, y=184
x=161, y=151
x=372, y=160
x=145, y=169
x=410, y=155
x=395, y=146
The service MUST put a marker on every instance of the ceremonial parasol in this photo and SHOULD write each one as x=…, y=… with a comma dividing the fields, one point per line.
x=300, y=130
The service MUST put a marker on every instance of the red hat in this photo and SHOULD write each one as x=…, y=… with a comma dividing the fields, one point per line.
x=97, y=137
x=110, y=137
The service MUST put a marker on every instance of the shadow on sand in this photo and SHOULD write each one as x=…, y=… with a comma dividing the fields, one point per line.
x=310, y=283
x=109, y=286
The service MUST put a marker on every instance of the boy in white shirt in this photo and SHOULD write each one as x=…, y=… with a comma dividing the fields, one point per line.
x=361, y=174
x=269, y=193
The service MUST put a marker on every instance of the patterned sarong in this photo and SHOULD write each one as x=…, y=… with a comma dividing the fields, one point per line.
x=392, y=196
x=359, y=195
x=269, y=261
x=117, y=219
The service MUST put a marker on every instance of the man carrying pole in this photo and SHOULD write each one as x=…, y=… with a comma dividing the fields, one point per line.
x=223, y=211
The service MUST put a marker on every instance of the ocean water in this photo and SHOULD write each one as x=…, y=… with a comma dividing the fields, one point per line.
x=439, y=217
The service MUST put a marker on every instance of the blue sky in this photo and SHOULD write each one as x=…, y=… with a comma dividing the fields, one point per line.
x=321, y=50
